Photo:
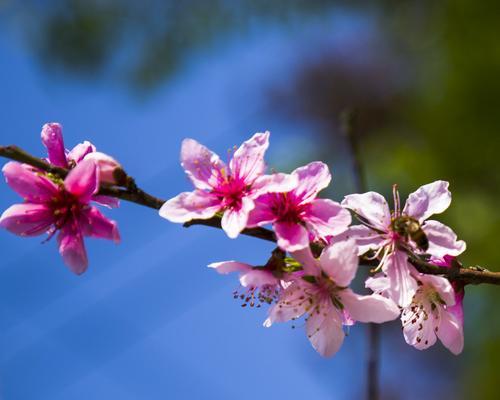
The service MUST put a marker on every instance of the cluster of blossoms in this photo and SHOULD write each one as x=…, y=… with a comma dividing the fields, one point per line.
x=53, y=205
x=318, y=252
x=316, y=285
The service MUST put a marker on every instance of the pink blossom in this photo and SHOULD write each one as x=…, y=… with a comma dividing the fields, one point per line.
x=385, y=232
x=434, y=313
x=297, y=215
x=53, y=205
x=323, y=294
x=52, y=139
x=230, y=190
x=261, y=285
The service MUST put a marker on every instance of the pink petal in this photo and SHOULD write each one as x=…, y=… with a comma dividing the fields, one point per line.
x=340, y=262
x=366, y=238
x=419, y=330
x=441, y=285
x=305, y=257
x=248, y=161
x=258, y=278
x=442, y=240
x=291, y=305
x=312, y=178
x=326, y=217
x=29, y=183
x=291, y=237
x=83, y=181
x=72, y=248
x=27, y=219
x=378, y=283
x=106, y=165
x=275, y=183
x=202, y=166
x=372, y=308
x=372, y=207
x=106, y=201
x=226, y=267
x=263, y=213
x=450, y=332
x=94, y=224
x=324, y=330
x=402, y=284
x=52, y=139
x=429, y=199
x=190, y=205
x=235, y=220
x=78, y=153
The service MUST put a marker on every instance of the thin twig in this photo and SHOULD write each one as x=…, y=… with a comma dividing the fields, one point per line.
x=472, y=275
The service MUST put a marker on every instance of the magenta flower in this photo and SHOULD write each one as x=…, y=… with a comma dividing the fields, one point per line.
x=53, y=205
x=434, y=313
x=327, y=300
x=298, y=217
x=230, y=190
x=261, y=286
x=52, y=139
x=385, y=232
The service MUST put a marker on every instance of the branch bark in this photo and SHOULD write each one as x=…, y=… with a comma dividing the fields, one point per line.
x=132, y=193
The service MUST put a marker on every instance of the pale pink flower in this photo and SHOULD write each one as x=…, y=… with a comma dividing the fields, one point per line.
x=53, y=205
x=221, y=188
x=323, y=294
x=434, y=313
x=298, y=217
x=52, y=139
x=384, y=232
x=261, y=285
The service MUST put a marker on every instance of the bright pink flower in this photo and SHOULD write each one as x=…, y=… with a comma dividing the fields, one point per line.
x=260, y=284
x=433, y=313
x=221, y=188
x=323, y=294
x=384, y=232
x=52, y=205
x=52, y=139
x=298, y=216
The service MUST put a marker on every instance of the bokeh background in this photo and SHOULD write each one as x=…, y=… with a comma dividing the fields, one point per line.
x=149, y=320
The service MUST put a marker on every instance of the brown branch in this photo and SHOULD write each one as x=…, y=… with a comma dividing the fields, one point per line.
x=132, y=193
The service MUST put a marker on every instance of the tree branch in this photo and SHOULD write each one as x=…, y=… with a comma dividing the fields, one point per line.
x=132, y=193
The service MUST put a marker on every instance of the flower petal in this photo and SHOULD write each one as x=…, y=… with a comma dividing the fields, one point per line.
x=370, y=206
x=402, y=285
x=52, y=139
x=235, y=220
x=72, y=248
x=366, y=238
x=190, y=205
x=106, y=201
x=106, y=165
x=310, y=264
x=226, y=267
x=202, y=166
x=419, y=327
x=275, y=183
x=290, y=305
x=340, y=262
x=291, y=237
x=29, y=183
x=372, y=308
x=27, y=219
x=441, y=285
x=326, y=217
x=324, y=330
x=83, y=181
x=442, y=240
x=263, y=213
x=248, y=161
x=94, y=224
x=450, y=332
x=312, y=178
x=80, y=151
x=258, y=278
x=427, y=200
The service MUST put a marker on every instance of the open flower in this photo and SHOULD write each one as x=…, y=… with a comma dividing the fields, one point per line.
x=230, y=190
x=385, y=232
x=52, y=139
x=298, y=216
x=323, y=294
x=434, y=313
x=53, y=205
